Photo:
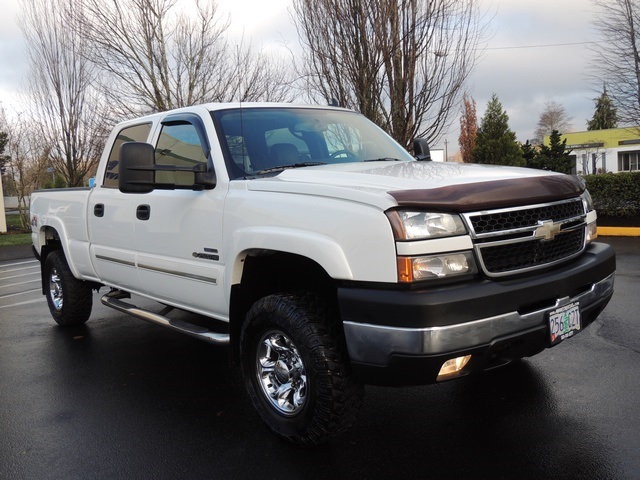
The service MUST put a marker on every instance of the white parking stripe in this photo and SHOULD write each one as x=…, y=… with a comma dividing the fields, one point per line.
x=37, y=300
x=20, y=293
x=21, y=283
x=18, y=276
x=19, y=263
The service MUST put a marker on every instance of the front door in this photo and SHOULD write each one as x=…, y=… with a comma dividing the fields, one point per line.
x=178, y=232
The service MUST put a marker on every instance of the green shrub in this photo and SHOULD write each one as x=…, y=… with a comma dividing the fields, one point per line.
x=615, y=194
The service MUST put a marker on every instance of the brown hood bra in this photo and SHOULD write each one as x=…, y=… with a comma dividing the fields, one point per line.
x=492, y=194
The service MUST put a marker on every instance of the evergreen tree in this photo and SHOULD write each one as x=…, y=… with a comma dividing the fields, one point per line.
x=496, y=143
x=605, y=116
x=553, y=157
x=528, y=152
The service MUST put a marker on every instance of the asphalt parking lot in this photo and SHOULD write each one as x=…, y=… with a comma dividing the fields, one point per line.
x=120, y=398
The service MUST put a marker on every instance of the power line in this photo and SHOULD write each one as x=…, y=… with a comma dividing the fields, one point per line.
x=516, y=47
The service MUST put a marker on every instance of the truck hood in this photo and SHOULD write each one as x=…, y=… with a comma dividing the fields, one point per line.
x=440, y=185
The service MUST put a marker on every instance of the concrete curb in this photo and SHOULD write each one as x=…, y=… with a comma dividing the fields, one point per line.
x=619, y=231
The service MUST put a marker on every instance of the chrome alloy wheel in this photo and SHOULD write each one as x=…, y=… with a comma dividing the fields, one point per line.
x=55, y=289
x=281, y=373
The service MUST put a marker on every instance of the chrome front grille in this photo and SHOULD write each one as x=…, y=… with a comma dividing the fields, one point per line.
x=502, y=220
x=515, y=240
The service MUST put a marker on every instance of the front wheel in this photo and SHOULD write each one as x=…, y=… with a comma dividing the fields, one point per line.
x=296, y=370
x=70, y=300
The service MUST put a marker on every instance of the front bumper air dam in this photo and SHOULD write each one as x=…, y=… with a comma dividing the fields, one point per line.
x=403, y=337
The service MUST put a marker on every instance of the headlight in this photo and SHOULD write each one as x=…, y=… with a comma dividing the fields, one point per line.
x=415, y=225
x=444, y=265
x=587, y=201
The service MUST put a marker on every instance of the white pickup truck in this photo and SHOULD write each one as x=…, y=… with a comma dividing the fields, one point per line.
x=331, y=256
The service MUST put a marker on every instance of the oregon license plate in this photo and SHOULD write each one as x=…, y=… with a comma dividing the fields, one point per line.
x=564, y=322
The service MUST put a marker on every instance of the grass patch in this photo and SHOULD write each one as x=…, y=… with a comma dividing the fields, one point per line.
x=13, y=224
x=16, y=235
x=12, y=239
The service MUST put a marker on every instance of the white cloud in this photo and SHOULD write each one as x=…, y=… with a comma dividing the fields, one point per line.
x=13, y=63
x=523, y=78
x=258, y=19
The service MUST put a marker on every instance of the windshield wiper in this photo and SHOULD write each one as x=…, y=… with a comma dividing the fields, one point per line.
x=384, y=159
x=280, y=168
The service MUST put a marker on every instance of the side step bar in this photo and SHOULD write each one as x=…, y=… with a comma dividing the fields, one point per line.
x=113, y=300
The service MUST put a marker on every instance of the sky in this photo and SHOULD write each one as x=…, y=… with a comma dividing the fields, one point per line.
x=535, y=53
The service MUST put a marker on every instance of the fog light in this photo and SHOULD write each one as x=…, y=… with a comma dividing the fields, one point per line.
x=452, y=368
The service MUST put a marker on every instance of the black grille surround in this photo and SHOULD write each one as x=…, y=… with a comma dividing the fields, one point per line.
x=521, y=239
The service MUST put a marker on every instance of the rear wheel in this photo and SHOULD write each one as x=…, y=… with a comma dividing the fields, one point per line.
x=295, y=368
x=70, y=300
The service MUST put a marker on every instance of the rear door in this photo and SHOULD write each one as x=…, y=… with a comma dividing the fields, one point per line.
x=178, y=232
x=111, y=219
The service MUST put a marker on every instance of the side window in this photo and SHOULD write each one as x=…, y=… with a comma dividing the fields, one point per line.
x=136, y=133
x=179, y=144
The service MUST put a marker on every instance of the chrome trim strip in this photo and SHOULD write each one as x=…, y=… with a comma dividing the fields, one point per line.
x=191, y=276
x=374, y=344
x=115, y=260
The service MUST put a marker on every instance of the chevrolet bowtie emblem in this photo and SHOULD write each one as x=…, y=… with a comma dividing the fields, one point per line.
x=547, y=230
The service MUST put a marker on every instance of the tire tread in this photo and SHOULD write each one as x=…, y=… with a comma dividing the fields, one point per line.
x=77, y=294
x=338, y=397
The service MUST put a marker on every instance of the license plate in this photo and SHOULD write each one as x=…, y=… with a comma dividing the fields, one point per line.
x=564, y=322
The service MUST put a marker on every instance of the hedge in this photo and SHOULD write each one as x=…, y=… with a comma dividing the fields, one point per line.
x=615, y=194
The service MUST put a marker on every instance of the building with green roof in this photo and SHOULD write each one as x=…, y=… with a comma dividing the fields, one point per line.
x=599, y=151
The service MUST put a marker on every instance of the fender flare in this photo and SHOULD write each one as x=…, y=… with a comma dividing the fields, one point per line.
x=321, y=249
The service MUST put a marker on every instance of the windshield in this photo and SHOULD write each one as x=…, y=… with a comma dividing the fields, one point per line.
x=261, y=141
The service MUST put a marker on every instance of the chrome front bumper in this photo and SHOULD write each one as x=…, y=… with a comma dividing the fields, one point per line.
x=376, y=344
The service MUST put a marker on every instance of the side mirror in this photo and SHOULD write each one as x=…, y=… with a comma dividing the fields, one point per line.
x=136, y=173
x=204, y=179
x=421, y=149
x=138, y=167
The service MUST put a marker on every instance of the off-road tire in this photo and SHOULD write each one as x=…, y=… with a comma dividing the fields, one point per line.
x=330, y=398
x=70, y=300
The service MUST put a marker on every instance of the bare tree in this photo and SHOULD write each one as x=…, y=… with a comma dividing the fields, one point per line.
x=468, y=128
x=155, y=57
x=27, y=160
x=402, y=63
x=62, y=99
x=553, y=117
x=618, y=55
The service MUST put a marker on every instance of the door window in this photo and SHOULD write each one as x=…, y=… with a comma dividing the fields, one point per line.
x=135, y=133
x=179, y=144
